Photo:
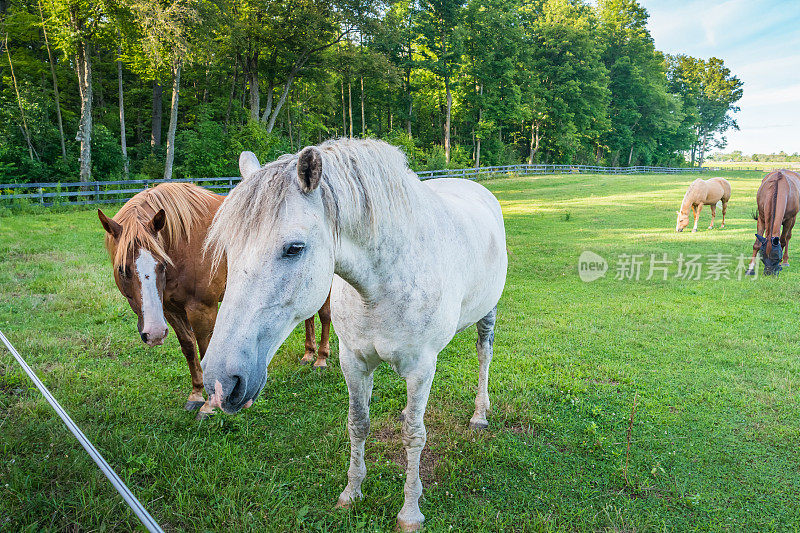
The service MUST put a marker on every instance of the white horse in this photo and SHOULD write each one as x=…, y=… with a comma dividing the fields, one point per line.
x=411, y=263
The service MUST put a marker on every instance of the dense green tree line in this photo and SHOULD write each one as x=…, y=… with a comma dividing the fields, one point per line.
x=104, y=89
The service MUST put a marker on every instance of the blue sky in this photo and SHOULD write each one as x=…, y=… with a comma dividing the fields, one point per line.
x=759, y=41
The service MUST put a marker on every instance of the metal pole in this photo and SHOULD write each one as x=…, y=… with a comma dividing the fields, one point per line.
x=136, y=506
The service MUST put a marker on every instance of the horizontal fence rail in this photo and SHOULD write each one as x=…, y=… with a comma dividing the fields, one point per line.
x=109, y=192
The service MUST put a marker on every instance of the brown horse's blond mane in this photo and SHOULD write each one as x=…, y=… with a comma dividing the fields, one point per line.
x=183, y=204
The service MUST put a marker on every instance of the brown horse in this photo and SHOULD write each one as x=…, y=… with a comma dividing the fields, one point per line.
x=156, y=246
x=778, y=200
x=702, y=193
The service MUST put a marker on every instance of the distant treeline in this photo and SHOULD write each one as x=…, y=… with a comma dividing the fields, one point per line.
x=105, y=89
x=737, y=156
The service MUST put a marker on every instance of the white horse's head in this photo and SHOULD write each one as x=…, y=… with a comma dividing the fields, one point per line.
x=279, y=249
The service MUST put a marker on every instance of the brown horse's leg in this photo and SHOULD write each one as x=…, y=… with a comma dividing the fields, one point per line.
x=756, y=246
x=724, y=210
x=696, y=217
x=325, y=336
x=786, y=234
x=713, y=215
x=186, y=338
x=311, y=343
x=202, y=318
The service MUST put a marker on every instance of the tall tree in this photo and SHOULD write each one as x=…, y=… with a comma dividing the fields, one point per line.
x=166, y=30
x=55, y=82
x=441, y=45
x=77, y=24
x=709, y=92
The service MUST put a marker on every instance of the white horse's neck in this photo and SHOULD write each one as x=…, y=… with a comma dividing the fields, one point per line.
x=370, y=263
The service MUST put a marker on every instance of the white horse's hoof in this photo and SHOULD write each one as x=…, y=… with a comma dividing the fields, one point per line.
x=478, y=424
x=694, y=230
x=346, y=499
x=404, y=526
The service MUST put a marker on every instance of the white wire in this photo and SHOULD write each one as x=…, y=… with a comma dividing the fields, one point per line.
x=136, y=506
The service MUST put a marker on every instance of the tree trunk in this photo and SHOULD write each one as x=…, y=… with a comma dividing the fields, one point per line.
x=25, y=132
x=534, y=141
x=83, y=62
x=205, y=84
x=703, y=146
x=694, y=148
x=173, y=120
x=158, y=111
x=344, y=109
x=449, y=107
x=231, y=96
x=289, y=122
x=408, y=91
x=350, y=106
x=270, y=91
x=284, y=94
x=630, y=156
x=255, y=97
x=55, y=85
x=478, y=137
x=122, y=140
x=363, y=122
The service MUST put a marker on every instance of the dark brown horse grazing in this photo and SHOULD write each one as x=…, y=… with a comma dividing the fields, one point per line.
x=778, y=200
x=156, y=246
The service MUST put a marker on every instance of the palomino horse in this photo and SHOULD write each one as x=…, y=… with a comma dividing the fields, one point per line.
x=411, y=262
x=702, y=193
x=155, y=243
x=778, y=200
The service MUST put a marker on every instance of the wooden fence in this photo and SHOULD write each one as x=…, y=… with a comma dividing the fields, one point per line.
x=108, y=192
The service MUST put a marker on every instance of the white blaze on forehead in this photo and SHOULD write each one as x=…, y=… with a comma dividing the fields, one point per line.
x=152, y=309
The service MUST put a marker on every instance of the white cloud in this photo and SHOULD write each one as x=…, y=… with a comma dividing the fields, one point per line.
x=759, y=42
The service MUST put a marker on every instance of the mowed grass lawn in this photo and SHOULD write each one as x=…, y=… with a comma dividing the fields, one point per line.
x=713, y=366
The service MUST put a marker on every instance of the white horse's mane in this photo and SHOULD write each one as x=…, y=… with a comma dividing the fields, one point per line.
x=366, y=184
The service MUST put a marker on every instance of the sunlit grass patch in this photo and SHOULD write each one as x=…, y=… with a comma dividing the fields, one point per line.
x=713, y=364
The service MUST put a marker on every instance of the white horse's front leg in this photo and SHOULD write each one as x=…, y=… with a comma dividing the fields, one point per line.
x=418, y=386
x=359, y=387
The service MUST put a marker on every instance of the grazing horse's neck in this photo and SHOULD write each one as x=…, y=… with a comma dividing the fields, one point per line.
x=778, y=208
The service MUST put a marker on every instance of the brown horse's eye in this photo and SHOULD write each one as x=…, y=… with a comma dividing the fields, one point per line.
x=160, y=268
x=124, y=272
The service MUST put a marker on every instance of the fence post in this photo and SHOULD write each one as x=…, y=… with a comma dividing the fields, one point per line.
x=96, y=192
x=230, y=184
x=41, y=195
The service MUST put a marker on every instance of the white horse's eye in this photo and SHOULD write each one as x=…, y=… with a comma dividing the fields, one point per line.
x=293, y=249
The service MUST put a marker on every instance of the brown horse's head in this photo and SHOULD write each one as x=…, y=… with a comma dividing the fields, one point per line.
x=683, y=220
x=140, y=265
x=771, y=254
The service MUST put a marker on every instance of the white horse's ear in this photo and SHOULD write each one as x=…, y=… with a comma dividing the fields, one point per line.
x=248, y=164
x=309, y=168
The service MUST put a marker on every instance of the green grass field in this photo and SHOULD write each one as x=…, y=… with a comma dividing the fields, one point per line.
x=713, y=365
